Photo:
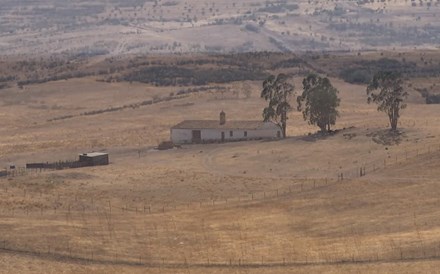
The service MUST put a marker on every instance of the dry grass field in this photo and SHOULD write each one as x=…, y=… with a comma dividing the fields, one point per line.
x=244, y=207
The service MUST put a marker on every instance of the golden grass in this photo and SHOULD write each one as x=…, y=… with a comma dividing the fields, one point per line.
x=215, y=204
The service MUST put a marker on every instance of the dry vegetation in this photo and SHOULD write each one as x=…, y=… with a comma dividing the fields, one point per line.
x=244, y=207
x=96, y=28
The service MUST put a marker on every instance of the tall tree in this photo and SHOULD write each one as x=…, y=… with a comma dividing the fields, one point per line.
x=386, y=90
x=277, y=90
x=319, y=102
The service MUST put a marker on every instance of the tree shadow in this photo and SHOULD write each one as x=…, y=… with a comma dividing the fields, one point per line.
x=322, y=135
x=387, y=137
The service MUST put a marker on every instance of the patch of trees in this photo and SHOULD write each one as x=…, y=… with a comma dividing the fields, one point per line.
x=64, y=76
x=356, y=75
x=200, y=89
x=363, y=28
x=336, y=12
x=7, y=79
x=289, y=63
x=89, y=52
x=252, y=28
x=178, y=76
x=170, y=3
x=130, y=3
x=318, y=102
x=278, y=7
x=432, y=99
x=226, y=21
x=429, y=98
x=258, y=61
x=362, y=72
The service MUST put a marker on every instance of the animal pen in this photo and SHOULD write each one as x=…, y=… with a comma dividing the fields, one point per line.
x=85, y=160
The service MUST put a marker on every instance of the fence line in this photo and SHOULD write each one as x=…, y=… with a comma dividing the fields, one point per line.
x=390, y=161
x=296, y=187
x=392, y=254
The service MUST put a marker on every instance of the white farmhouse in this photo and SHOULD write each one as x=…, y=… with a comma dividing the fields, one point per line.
x=200, y=131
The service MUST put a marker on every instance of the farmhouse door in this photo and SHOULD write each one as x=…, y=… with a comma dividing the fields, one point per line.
x=196, y=136
x=223, y=136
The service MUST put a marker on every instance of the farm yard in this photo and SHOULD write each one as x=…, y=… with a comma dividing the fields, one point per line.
x=259, y=206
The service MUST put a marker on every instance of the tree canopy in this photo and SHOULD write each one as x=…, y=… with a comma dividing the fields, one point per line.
x=386, y=90
x=319, y=102
x=277, y=90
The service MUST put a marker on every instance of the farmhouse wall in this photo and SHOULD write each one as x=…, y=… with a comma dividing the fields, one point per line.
x=179, y=136
x=185, y=135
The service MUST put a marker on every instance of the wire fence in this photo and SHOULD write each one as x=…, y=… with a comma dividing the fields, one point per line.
x=60, y=202
x=148, y=258
x=392, y=160
x=71, y=207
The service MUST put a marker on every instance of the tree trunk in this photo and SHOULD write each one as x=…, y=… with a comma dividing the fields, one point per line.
x=284, y=123
x=394, y=119
x=394, y=124
x=283, y=127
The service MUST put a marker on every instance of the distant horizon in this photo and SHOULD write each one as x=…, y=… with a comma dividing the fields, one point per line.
x=93, y=28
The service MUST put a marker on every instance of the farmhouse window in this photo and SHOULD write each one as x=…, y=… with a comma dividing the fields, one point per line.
x=245, y=134
x=231, y=133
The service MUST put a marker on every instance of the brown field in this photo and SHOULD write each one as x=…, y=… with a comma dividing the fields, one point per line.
x=245, y=207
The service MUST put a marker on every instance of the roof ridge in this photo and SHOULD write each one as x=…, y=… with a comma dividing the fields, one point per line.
x=215, y=124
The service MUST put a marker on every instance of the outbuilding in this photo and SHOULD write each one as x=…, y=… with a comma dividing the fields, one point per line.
x=201, y=131
x=94, y=159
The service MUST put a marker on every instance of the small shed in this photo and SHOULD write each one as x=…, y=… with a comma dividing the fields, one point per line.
x=94, y=159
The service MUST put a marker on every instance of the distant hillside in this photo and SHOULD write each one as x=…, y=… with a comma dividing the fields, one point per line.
x=114, y=27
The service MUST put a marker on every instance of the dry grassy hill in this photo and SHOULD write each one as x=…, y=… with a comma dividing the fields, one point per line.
x=243, y=207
